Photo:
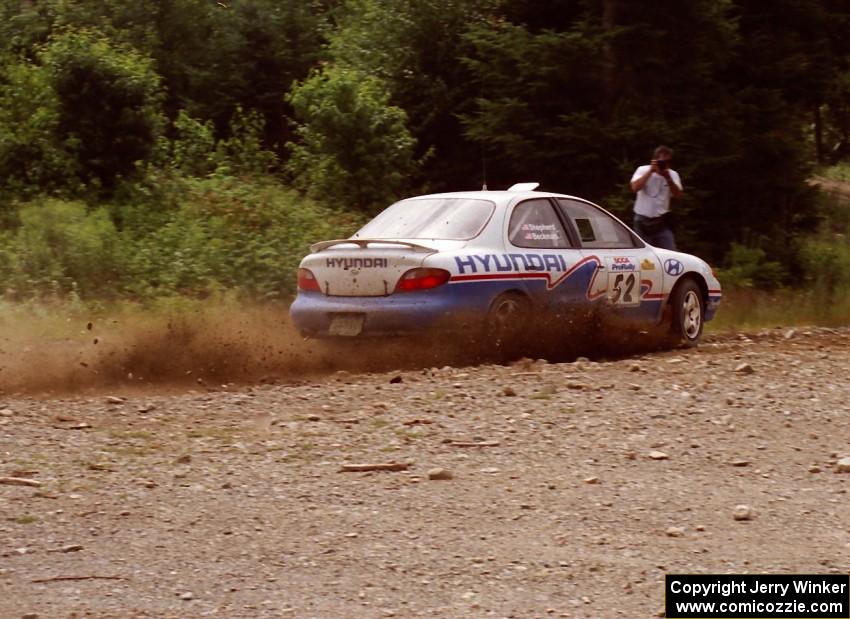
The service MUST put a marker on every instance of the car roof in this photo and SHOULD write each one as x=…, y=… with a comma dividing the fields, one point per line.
x=496, y=196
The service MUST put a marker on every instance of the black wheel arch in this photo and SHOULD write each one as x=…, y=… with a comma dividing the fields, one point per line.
x=695, y=277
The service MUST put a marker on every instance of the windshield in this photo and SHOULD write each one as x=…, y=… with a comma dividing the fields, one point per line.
x=457, y=219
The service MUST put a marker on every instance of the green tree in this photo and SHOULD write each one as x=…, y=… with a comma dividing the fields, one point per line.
x=353, y=146
x=276, y=43
x=212, y=56
x=578, y=98
x=108, y=105
x=837, y=100
x=537, y=111
x=24, y=26
x=33, y=157
x=414, y=46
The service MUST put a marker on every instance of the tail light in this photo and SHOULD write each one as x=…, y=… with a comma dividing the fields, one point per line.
x=422, y=279
x=307, y=281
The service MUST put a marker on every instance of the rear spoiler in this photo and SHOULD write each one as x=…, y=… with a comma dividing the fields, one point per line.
x=364, y=244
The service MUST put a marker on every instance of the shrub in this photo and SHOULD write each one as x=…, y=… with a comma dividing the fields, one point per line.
x=193, y=147
x=228, y=233
x=62, y=248
x=243, y=153
x=826, y=260
x=839, y=172
x=748, y=267
x=215, y=234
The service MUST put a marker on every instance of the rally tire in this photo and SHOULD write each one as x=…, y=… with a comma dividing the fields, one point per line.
x=507, y=324
x=688, y=307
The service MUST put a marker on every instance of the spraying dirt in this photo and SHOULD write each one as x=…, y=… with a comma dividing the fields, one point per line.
x=211, y=345
x=135, y=350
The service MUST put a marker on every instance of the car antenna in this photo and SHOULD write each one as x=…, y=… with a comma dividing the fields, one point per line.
x=483, y=168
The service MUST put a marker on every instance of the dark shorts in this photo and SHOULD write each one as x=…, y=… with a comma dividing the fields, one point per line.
x=655, y=231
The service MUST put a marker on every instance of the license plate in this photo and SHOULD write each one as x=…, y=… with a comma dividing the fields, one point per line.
x=346, y=325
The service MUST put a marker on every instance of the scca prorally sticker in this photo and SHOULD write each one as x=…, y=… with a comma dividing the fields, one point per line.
x=623, y=263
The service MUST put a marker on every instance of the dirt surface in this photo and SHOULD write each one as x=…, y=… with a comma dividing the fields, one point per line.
x=591, y=480
x=839, y=189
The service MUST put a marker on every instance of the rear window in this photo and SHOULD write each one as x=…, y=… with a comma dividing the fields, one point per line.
x=457, y=219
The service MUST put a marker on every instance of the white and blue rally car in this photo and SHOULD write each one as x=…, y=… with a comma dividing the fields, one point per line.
x=495, y=259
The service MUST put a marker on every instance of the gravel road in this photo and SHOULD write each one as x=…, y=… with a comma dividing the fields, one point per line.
x=563, y=490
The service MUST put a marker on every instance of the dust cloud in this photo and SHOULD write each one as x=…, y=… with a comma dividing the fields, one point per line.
x=212, y=346
x=207, y=346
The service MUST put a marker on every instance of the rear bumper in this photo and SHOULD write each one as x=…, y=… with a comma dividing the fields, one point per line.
x=405, y=313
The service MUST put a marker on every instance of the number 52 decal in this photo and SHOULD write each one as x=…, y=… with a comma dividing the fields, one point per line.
x=624, y=288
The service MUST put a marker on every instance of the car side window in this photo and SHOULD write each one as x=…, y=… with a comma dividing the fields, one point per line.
x=535, y=224
x=596, y=228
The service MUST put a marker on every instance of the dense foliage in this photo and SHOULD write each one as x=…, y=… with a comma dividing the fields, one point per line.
x=148, y=147
x=219, y=233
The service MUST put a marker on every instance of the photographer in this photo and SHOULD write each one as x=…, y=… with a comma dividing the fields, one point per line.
x=655, y=184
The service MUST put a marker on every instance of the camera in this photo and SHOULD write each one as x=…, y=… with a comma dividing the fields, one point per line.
x=662, y=165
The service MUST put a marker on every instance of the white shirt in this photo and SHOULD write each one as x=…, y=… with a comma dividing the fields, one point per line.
x=653, y=200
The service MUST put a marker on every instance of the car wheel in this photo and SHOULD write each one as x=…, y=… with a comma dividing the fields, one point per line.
x=507, y=322
x=688, y=312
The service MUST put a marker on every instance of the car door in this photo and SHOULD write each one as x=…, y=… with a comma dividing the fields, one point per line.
x=539, y=243
x=630, y=274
